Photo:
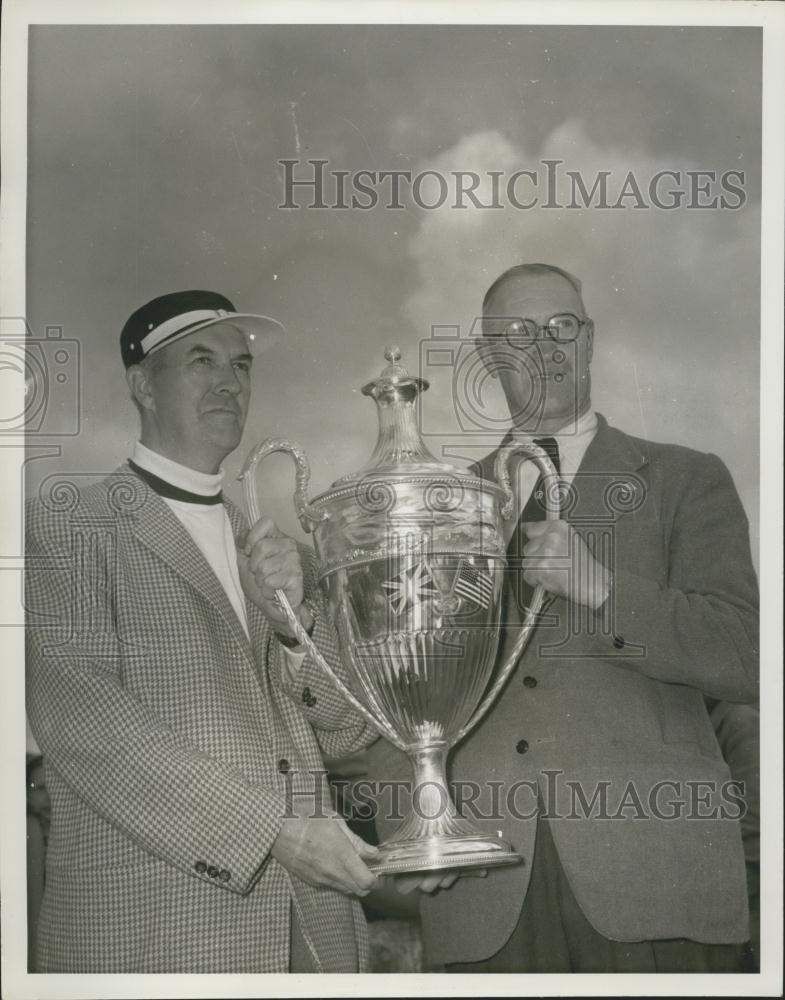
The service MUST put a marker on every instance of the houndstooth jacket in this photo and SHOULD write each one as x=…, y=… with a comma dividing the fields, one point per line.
x=172, y=747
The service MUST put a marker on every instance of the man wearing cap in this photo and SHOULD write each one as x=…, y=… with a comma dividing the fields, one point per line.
x=611, y=784
x=181, y=725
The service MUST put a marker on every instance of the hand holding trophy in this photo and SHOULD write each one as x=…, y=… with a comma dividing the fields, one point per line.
x=411, y=560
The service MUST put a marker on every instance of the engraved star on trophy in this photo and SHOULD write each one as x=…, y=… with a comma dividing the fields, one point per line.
x=411, y=558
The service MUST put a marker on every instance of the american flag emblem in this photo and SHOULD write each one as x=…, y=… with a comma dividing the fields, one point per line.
x=410, y=587
x=473, y=583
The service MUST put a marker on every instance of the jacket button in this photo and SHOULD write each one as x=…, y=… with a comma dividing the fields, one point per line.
x=618, y=641
x=284, y=766
x=306, y=695
x=530, y=682
x=212, y=871
x=200, y=867
x=224, y=875
x=522, y=746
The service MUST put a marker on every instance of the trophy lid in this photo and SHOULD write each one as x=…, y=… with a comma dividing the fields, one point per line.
x=400, y=449
x=394, y=377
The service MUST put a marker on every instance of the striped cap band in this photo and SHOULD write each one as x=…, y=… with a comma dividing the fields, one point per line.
x=178, y=314
x=178, y=325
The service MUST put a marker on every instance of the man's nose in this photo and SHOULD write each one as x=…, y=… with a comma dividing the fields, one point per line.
x=228, y=381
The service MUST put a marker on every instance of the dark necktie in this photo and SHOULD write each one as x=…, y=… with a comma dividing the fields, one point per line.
x=171, y=492
x=519, y=592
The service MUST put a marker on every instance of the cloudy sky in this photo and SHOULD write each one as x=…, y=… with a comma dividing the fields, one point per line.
x=153, y=166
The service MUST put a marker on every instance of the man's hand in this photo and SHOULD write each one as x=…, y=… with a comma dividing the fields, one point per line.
x=435, y=880
x=324, y=851
x=564, y=565
x=269, y=561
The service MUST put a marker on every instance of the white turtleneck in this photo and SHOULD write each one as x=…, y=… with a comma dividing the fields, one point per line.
x=207, y=524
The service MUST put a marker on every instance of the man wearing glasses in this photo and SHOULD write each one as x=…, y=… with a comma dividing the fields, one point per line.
x=613, y=788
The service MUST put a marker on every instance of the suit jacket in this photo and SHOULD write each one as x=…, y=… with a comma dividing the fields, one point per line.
x=605, y=717
x=172, y=746
x=738, y=734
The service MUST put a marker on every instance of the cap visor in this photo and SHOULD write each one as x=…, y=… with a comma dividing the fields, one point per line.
x=260, y=331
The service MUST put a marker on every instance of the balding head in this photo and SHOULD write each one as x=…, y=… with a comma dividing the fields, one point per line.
x=545, y=376
x=544, y=280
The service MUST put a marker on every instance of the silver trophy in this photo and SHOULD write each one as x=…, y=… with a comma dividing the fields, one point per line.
x=411, y=559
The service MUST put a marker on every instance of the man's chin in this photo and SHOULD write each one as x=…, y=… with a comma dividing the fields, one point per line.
x=546, y=419
x=225, y=434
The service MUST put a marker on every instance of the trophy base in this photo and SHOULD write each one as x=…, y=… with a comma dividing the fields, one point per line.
x=434, y=836
x=441, y=853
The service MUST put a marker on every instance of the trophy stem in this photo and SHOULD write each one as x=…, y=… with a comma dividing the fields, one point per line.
x=431, y=799
x=434, y=835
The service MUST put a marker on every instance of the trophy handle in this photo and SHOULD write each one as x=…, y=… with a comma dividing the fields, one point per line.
x=502, y=474
x=307, y=515
x=307, y=642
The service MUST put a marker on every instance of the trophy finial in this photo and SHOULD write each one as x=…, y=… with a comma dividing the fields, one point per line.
x=392, y=354
x=395, y=393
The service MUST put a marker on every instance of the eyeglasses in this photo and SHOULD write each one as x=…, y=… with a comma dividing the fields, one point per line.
x=563, y=328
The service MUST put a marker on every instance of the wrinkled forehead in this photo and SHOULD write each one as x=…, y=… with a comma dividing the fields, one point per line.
x=535, y=296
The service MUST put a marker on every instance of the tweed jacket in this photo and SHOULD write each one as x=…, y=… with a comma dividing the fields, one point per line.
x=611, y=704
x=173, y=748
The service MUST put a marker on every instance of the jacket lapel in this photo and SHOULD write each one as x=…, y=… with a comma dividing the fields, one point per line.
x=605, y=475
x=158, y=529
x=239, y=523
x=605, y=485
x=612, y=450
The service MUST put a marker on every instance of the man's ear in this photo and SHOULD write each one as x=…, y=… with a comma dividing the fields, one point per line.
x=590, y=340
x=138, y=379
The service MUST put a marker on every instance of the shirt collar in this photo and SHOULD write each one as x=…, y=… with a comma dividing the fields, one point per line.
x=573, y=439
x=185, y=478
x=584, y=425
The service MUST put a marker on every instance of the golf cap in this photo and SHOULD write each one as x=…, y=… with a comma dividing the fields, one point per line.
x=178, y=314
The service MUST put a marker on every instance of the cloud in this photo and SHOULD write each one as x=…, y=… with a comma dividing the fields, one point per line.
x=640, y=258
x=674, y=294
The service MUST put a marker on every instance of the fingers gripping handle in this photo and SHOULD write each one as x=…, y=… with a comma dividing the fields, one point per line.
x=552, y=512
x=307, y=643
x=305, y=512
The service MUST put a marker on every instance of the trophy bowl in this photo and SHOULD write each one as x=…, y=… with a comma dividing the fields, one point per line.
x=411, y=561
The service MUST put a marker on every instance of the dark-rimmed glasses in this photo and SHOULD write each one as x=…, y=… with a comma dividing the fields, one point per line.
x=562, y=328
